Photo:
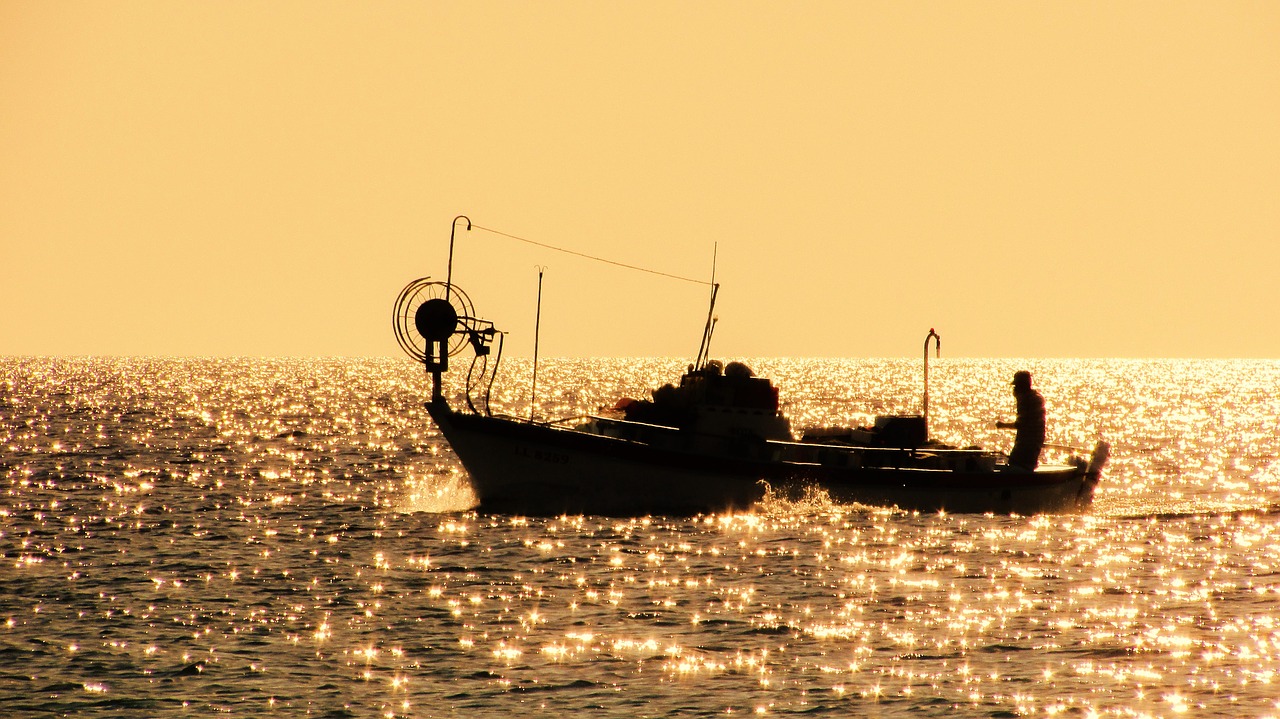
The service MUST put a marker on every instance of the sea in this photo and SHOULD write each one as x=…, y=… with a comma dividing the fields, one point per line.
x=292, y=537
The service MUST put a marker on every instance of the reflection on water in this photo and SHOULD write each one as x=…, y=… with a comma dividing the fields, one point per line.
x=291, y=537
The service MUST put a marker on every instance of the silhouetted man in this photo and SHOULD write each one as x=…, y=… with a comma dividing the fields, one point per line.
x=1030, y=424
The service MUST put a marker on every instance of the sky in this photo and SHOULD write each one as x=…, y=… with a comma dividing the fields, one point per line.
x=1073, y=179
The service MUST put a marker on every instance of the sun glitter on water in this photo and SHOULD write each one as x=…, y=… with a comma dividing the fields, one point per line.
x=260, y=537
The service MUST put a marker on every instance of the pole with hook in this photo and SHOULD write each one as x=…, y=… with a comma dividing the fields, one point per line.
x=938, y=353
x=448, y=282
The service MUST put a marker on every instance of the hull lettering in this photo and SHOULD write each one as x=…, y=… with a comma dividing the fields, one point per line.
x=541, y=455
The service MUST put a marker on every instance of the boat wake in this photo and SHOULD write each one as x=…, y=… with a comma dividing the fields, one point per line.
x=802, y=499
x=1259, y=501
x=1190, y=509
x=436, y=494
x=1200, y=512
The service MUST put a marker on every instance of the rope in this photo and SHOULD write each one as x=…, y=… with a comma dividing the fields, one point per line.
x=592, y=257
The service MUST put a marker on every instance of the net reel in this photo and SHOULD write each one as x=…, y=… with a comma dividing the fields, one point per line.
x=434, y=321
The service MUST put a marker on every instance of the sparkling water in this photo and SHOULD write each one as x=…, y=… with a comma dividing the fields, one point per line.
x=293, y=537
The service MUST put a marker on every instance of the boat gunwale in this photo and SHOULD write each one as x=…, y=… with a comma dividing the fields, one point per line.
x=773, y=470
x=558, y=425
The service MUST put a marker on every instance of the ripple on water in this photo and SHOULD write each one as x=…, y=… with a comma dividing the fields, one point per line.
x=291, y=536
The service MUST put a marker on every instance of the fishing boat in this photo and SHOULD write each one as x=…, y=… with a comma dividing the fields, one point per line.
x=713, y=441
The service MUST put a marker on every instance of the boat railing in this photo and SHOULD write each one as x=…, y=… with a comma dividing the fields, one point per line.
x=633, y=423
x=564, y=420
x=783, y=444
x=583, y=418
x=871, y=448
x=951, y=458
x=548, y=422
x=924, y=457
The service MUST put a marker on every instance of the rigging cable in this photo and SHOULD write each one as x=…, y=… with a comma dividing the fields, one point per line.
x=592, y=257
x=497, y=361
x=483, y=361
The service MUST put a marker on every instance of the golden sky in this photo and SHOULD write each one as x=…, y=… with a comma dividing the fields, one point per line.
x=1087, y=179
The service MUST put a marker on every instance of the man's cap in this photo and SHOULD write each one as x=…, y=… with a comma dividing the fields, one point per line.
x=1022, y=377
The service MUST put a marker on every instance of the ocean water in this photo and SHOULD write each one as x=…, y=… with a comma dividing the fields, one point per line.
x=292, y=538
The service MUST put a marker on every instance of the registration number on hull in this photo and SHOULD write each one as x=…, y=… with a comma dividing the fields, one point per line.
x=541, y=455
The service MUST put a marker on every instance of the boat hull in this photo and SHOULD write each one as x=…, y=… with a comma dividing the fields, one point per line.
x=533, y=469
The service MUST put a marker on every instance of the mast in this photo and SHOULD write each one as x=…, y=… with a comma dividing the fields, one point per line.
x=704, y=349
x=537, y=329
